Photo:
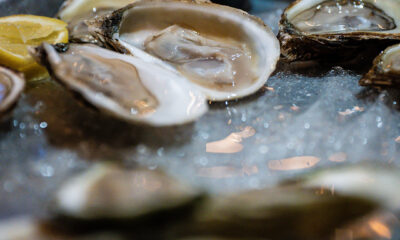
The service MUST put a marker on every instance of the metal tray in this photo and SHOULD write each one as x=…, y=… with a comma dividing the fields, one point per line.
x=320, y=113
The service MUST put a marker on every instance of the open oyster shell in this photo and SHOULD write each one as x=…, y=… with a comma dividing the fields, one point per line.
x=225, y=52
x=76, y=12
x=385, y=70
x=338, y=31
x=11, y=86
x=124, y=86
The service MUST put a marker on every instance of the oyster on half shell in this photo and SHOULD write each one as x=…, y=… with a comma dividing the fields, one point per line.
x=11, y=86
x=338, y=30
x=124, y=86
x=225, y=52
x=385, y=70
x=76, y=12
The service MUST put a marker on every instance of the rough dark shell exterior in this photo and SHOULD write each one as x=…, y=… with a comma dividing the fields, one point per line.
x=376, y=76
x=298, y=46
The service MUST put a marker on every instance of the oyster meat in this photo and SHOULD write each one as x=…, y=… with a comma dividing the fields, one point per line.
x=108, y=192
x=332, y=30
x=11, y=86
x=76, y=12
x=225, y=52
x=124, y=86
x=385, y=70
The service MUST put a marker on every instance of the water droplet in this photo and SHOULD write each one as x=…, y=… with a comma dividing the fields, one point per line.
x=307, y=126
x=204, y=135
x=46, y=170
x=244, y=118
x=142, y=149
x=160, y=152
x=153, y=167
x=203, y=161
x=43, y=125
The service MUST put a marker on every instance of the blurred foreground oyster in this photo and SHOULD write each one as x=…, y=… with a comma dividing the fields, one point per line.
x=369, y=181
x=385, y=70
x=11, y=86
x=263, y=214
x=76, y=12
x=109, y=192
x=124, y=86
x=225, y=52
x=338, y=31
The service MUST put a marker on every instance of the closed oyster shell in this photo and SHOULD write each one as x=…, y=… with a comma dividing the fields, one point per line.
x=123, y=86
x=225, y=52
x=11, y=86
x=385, y=71
x=338, y=31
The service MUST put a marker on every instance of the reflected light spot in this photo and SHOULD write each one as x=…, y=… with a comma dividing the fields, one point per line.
x=294, y=163
x=381, y=229
x=232, y=143
x=338, y=157
x=351, y=111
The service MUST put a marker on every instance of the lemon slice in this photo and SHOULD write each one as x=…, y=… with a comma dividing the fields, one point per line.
x=18, y=32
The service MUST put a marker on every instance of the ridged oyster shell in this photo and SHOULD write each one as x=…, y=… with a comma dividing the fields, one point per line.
x=11, y=86
x=123, y=86
x=76, y=12
x=337, y=31
x=385, y=71
x=225, y=52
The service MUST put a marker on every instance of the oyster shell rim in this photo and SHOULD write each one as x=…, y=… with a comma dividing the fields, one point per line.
x=376, y=76
x=18, y=86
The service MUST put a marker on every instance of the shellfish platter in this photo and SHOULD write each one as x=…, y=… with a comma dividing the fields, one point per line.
x=186, y=119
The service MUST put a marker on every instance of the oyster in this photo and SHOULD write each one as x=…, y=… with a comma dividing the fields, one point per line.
x=109, y=192
x=369, y=181
x=385, y=70
x=264, y=213
x=333, y=30
x=11, y=86
x=124, y=86
x=225, y=52
x=76, y=12
x=26, y=228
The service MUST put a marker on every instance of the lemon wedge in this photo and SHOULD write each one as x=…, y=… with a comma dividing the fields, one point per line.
x=18, y=32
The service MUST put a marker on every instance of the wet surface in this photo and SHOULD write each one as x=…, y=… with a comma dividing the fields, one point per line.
x=301, y=120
